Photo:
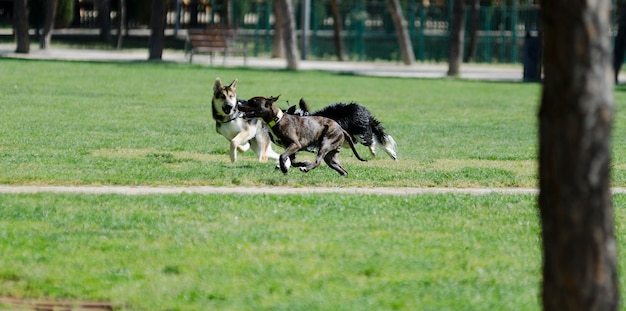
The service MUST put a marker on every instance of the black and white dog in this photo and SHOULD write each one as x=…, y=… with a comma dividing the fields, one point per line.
x=357, y=121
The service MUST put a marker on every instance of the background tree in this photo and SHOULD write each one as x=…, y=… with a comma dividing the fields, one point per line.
x=157, y=29
x=45, y=15
x=406, y=48
x=456, y=38
x=104, y=20
x=121, y=27
x=337, y=20
x=289, y=33
x=20, y=23
x=473, y=32
x=575, y=119
x=46, y=34
x=278, y=44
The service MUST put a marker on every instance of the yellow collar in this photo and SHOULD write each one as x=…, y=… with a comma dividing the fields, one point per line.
x=276, y=119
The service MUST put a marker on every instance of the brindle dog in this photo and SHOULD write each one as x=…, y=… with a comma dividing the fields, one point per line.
x=295, y=133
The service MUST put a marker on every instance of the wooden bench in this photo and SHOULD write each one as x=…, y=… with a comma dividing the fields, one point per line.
x=215, y=38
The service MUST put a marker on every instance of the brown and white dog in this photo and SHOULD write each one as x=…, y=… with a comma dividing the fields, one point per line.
x=241, y=133
x=295, y=133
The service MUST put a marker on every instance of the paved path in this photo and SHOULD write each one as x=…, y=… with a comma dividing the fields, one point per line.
x=512, y=72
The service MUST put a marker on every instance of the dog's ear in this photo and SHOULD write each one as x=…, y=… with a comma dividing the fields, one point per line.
x=271, y=100
x=233, y=85
x=291, y=109
x=303, y=105
x=218, y=85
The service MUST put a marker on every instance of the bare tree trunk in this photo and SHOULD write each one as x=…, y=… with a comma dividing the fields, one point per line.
x=289, y=31
x=620, y=44
x=471, y=46
x=20, y=21
x=334, y=7
x=193, y=13
x=104, y=20
x=575, y=120
x=122, y=26
x=51, y=9
x=406, y=48
x=278, y=44
x=157, y=29
x=456, y=38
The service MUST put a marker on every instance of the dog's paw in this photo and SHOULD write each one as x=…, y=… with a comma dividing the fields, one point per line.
x=304, y=169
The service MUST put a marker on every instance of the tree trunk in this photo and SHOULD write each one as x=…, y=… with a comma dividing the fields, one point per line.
x=51, y=9
x=278, y=44
x=575, y=120
x=473, y=42
x=20, y=21
x=104, y=20
x=193, y=13
x=122, y=26
x=337, y=29
x=289, y=32
x=157, y=29
x=456, y=38
x=620, y=44
x=406, y=48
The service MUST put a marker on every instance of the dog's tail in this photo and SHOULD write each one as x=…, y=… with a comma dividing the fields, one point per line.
x=347, y=137
x=383, y=138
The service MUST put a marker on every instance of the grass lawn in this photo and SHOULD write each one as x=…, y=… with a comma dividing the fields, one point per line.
x=244, y=252
x=68, y=123
x=65, y=123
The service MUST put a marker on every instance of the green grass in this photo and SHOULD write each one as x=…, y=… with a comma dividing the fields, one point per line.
x=65, y=123
x=266, y=252
x=150, y=124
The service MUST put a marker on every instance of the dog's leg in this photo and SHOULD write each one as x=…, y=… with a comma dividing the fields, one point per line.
x=390, y=147
x=284, y=161
x=332, y=159
x=237, y=143
x=244, y=147
x=325, y=148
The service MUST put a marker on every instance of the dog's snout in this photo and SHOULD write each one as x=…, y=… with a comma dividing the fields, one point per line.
x=241, y=102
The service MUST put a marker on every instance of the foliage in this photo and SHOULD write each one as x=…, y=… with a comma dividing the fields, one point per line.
x=64, y=14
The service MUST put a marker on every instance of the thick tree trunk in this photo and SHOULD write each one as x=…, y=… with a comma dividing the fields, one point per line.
x=575, y=120
x=406, y=48
x=620, y=43
x=278, y=44
x=157, y=29
x=337, y=29
x=51, y=9
x=20, y=21
x=456, y=38
x=289, y=32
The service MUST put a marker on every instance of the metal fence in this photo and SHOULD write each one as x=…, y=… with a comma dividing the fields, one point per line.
x=368, y=30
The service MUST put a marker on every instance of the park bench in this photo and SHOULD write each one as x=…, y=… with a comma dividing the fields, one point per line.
x=214, y=39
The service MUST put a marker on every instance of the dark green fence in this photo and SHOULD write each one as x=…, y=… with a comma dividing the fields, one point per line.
x=369, y=33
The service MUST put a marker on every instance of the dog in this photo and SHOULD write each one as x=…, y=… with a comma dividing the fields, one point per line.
x=241, y=133
x=296, y=133
x=357, y=121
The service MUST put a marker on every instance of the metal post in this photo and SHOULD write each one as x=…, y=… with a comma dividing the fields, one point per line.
x=177, y=21
x=421, y=38
x=515, y=46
